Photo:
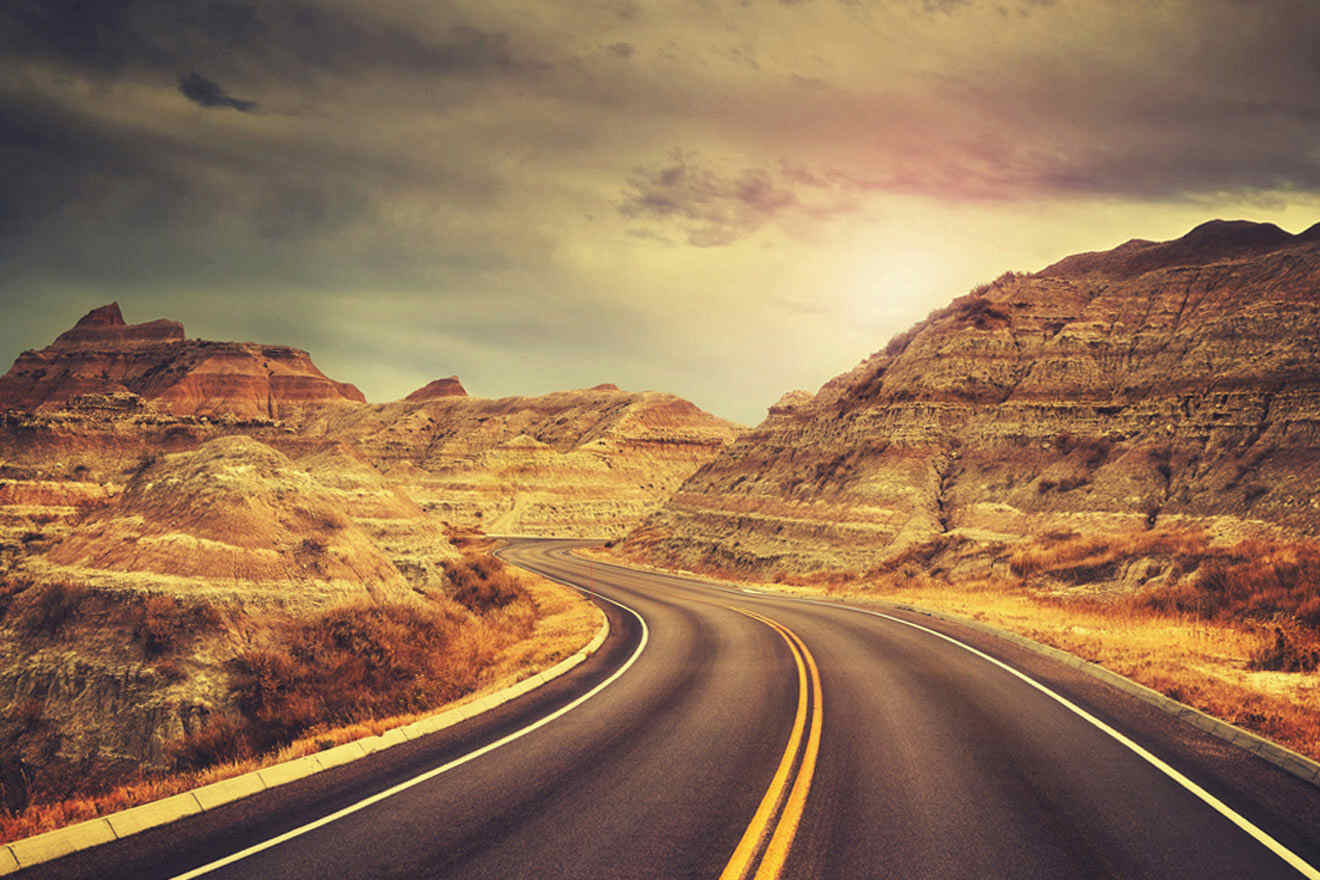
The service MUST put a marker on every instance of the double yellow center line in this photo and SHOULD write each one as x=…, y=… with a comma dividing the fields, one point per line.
x=761, y=849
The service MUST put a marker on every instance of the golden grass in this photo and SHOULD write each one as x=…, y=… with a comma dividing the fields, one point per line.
x=1230, y=630
x=1205, y=664
x=561, y=623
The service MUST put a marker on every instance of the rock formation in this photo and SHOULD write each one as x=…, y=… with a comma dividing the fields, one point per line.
x=573, y=463
x=234, y=515
x=1172, y=383
x=103, y=355
x=447, y=387
x=129, y=617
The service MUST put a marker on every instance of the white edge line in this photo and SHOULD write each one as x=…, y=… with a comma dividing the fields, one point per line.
x=1260, y=836
x=434, y=772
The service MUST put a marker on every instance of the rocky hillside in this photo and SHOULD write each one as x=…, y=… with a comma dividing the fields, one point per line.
x=104, y=355
x=594, y=462
x=1154, y=385
x=130, y=608
x=591, y=463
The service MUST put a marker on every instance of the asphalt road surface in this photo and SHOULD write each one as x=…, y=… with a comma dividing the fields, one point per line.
x=724, y=733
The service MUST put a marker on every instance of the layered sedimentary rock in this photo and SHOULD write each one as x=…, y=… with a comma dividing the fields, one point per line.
x=1155, y=384
x=574, y=463
x=234, y=516
x=127, y=620
x=102, y=354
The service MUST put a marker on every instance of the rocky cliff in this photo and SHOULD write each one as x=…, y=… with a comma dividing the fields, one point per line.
x=593, y=462
x=1173, y=383
x=102, y=354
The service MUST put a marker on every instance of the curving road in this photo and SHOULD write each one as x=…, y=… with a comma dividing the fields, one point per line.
x=724, y=733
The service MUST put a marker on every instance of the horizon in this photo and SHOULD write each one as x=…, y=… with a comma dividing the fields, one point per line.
x=469, y=392
x=724, y=202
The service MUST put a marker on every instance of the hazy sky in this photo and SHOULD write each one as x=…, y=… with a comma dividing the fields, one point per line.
x=726, y=200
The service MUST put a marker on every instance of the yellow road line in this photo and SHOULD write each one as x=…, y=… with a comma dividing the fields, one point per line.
x=776, y=854
x=772, y=863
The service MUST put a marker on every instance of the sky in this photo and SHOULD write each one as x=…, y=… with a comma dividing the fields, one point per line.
x=723, y=199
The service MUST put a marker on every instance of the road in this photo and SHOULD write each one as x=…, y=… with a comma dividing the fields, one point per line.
x=724, y=733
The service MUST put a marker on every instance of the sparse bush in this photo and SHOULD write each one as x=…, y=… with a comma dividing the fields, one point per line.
x=219, y=741
x=47, y=610
x=482, y=583
x=978, y=311
x=1289, y=652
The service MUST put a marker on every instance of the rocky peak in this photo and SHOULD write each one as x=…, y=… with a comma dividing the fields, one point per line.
x=790, y=401
x=104, y=355
x=104, y=327
x=103, y=316
x=1211, y=242
x=446, y=387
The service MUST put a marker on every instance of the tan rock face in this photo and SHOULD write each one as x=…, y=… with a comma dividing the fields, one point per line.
x=103, y=355
x=198, y=550
x=1156, y=383
x=593, y=462
x=237, y=513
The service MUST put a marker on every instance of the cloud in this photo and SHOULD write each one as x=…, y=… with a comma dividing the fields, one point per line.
x=200, y=90
x=270, y=38
x=436, y=154
x=712, y=208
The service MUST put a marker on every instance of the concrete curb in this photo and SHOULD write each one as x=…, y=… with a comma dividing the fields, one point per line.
x=1285, y=759
x=62, y=841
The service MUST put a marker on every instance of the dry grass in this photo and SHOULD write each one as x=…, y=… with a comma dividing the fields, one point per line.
x=1206, y=664
x=159, y=625
x=1233, y=630
x=354, y=672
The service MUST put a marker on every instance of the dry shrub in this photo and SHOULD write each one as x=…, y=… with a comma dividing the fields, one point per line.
x=482, y=583
x=1290, y=651
x=159, y=625
x=164, y=624
x=363, y=661
x=12, y=584
x=978, y=311
x=353, y=662
x=46, y=611
x=1251, y=581
x=1249, y=584
x=1082, y=559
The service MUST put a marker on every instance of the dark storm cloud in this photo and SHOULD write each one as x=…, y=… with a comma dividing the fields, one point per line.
x=294, y=39
x=439, y=154
x=201, y=90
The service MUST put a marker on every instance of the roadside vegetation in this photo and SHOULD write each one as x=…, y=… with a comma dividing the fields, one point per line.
x=303, y=684
x=1231, y=629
